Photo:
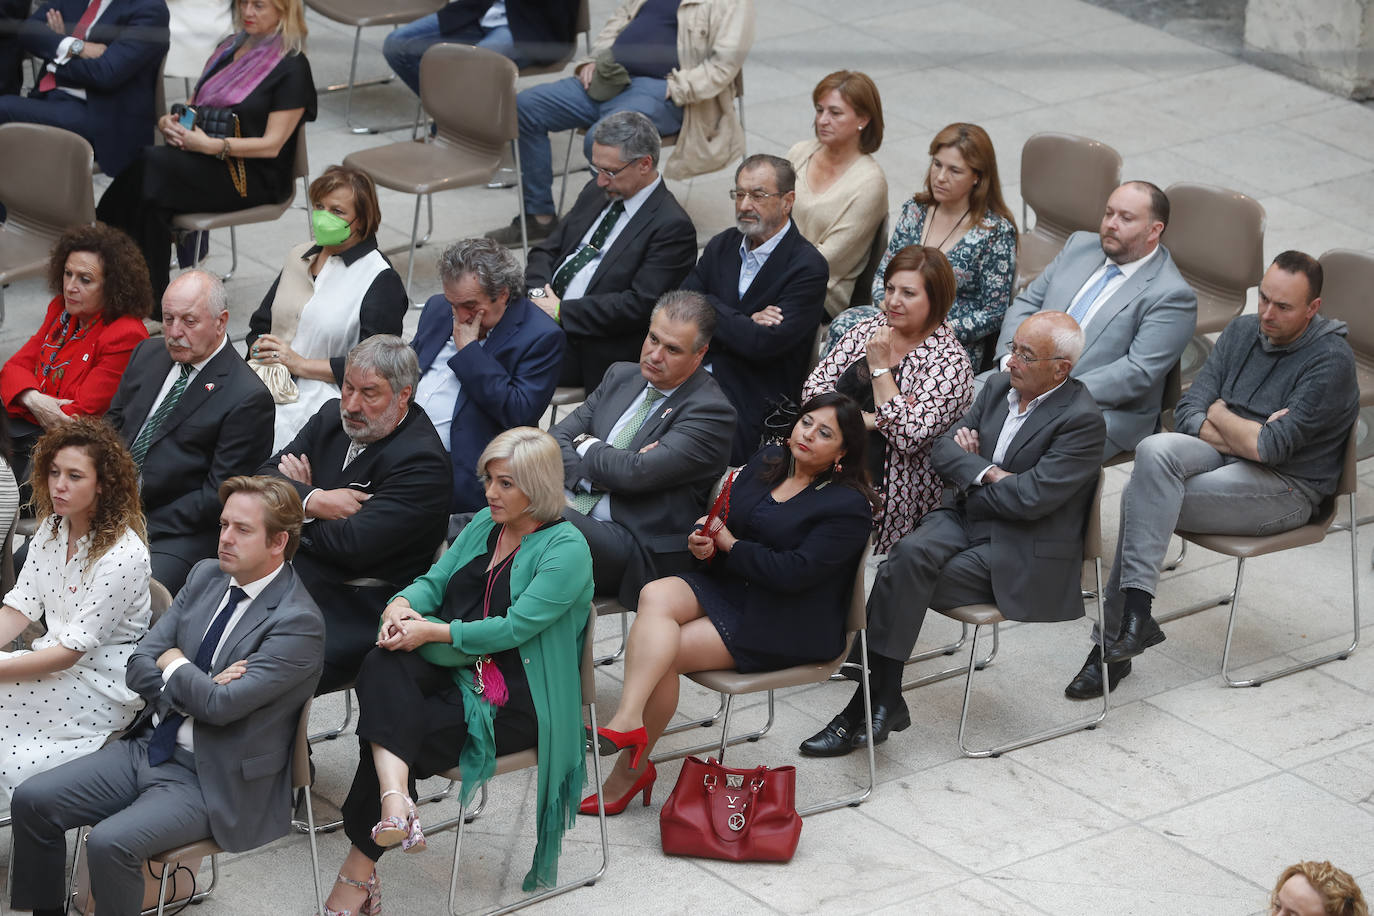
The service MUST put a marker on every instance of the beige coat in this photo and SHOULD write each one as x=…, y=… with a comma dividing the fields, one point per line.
x=713, y=38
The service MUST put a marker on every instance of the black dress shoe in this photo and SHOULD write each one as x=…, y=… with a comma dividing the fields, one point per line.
x=835, y=740
x=1138, y=633
x=1087, y=685
x=886, y=719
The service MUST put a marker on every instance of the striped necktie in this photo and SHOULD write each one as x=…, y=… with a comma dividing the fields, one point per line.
x=584, y=256
x=585, y=502
x=139, y=450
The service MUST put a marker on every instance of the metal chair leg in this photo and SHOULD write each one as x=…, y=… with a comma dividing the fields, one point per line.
x=1047, y=734
x=567, y=163
x=698, y=723
x=853, y=801
x=414, y=233
x=624, y=638
x=1300, y=666
x=331, y=734
x=520, y=206
x=957, y=670
x=1176, y=561
x=725, y=742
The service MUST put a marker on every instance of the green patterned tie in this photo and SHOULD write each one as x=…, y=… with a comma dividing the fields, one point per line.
x=570, y=268
x=139, y=450
x=585, y=502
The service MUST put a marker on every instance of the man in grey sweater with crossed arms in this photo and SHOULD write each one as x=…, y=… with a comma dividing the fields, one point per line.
x=1259, y=443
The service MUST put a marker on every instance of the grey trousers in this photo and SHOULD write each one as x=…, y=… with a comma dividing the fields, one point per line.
x=136, y=810
x=935, y=566
x=1179, y=481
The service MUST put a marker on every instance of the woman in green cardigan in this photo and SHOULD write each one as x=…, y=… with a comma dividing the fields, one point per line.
x=478, y=657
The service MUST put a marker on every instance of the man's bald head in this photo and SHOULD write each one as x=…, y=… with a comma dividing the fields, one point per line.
x=195, y=312
x=1044, y=350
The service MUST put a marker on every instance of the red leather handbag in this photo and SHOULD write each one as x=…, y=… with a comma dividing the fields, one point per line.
x=738, y=815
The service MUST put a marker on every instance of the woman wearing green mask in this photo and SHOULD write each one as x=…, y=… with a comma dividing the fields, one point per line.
x=333, y=291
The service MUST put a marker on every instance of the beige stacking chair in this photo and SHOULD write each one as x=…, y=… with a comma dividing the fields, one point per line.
x=361, y=14
x=473, y=128
x=1243, y=547
x=45, y=183
x=1066, y=180
x=263, y=213
x=522, y=760
x=1216, y=238
x=981, y=615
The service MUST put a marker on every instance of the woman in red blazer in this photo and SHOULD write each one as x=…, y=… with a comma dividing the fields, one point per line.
x=73, y=365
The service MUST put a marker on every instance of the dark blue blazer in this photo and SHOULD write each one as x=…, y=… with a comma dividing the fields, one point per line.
x=506, y=381
x=800, y=571
x=120, y=83
x=757, y=366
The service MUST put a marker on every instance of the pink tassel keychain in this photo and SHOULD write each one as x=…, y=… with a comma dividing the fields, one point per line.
x=487, y=678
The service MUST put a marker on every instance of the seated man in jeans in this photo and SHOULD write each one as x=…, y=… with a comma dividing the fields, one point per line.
x=527, y=31
x=1260, y=441
x=674, y=62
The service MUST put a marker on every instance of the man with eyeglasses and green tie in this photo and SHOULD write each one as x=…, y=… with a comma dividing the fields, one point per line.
x=625, y=242
x=767, y=285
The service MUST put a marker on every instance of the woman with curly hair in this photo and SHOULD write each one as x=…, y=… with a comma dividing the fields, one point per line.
x=87, y=576
x=73, y=365
x=1316, y=889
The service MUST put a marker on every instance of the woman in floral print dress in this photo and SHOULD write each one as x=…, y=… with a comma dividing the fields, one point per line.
x=961, y=212
x=907, y=370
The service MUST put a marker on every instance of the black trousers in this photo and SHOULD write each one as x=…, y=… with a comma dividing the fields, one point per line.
x=162, y=182
x=414, y=710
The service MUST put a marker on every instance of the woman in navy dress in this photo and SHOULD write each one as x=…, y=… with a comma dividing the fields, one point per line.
x=773, y=590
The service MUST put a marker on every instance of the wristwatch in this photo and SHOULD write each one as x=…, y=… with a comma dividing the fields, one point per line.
x=536, y=292
x=77, y=46
x=577, y=443
x=879, y=373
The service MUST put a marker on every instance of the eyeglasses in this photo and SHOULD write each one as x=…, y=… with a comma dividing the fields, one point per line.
x=1026, y=357
x=755, y=196
x=608, y=174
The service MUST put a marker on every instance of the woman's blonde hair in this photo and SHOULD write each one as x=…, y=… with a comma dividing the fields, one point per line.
x=1341, y=896
x=536, y=466
x=291, y=27
x=116, y=505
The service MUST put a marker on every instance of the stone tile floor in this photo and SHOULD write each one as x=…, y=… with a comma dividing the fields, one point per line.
x=1191, y=796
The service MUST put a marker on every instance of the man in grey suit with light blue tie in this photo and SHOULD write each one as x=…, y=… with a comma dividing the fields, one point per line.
x=225, y=673
x=1136, y=310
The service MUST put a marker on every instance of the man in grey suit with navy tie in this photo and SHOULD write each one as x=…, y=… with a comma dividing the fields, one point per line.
x=225, y=673
x=641, y=454
x=1136, y=310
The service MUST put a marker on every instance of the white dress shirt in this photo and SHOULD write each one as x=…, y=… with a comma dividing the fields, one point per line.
x=438, y=390
x=752, y=261
x=1016, y=418
x=185, y=737
x=583, y=278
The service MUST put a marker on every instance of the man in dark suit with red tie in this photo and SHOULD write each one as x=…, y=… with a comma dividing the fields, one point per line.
x=625, y=242
x=190, y=436
x=99, y=73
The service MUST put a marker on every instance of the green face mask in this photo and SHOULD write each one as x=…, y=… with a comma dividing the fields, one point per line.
x=329, y=228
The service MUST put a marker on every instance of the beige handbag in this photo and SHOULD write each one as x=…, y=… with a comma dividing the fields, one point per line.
x=294, y=290
x=181, y=884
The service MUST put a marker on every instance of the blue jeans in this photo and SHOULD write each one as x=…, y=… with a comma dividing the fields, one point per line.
x=405, y=46
x=564, y=105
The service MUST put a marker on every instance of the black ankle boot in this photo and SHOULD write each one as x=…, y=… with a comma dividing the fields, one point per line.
x=1138, y=629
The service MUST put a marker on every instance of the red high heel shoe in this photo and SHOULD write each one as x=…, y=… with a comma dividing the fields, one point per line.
x=608, y=741
x=645, y=782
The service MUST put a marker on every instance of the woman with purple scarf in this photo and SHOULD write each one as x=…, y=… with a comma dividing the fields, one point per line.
x=261, y=74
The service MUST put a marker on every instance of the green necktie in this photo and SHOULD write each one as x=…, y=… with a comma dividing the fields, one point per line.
x=573, y=265
x=585, y=502
x=139, y=450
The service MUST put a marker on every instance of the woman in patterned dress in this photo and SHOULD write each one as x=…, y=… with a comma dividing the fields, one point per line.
x=86, y=576
x=906, y=368
x=961, y=212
